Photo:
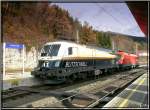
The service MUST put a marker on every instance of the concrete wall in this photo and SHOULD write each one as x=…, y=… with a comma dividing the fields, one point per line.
x=23, y=80
x=14, y=59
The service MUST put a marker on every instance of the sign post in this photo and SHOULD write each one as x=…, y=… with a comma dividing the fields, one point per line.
x=3, y=59
x=23, y=61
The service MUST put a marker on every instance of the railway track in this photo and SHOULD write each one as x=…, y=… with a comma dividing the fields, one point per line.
x=102, y=95
x=13, y=92
x=73, y=97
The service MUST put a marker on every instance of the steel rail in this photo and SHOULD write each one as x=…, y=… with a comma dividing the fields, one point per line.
x=69, y=95
x=97, y=101
x=96, y=88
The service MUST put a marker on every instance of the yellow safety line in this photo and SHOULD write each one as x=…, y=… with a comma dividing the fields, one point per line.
x=137, y=91
x=126, y=100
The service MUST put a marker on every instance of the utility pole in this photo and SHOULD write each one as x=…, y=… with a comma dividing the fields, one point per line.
x=117, y=43
x=77, y=30
x=77, y=35
x=4, y=59
x=113, y=45
x=136, y=48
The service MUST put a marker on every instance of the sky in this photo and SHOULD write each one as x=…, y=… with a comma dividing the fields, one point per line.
x=115, y=17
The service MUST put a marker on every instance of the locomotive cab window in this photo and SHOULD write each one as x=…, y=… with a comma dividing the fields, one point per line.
x=70, y=51
x=50, y=50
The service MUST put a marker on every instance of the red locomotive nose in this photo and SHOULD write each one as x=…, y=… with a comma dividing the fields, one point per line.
x=119, y=62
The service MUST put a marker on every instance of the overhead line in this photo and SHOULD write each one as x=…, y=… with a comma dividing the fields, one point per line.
x=109, y=14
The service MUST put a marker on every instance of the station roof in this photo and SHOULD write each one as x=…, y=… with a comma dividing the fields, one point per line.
x=140, y=13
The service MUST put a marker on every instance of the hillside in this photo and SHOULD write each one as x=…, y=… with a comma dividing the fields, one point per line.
x=30, y=23
x=135, y=38
x=34, y=23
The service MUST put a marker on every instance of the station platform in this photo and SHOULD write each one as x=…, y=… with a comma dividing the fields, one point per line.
x=11, y=80
x=134, y=96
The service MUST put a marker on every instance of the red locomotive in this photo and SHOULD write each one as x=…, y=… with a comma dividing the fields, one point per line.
x=127, y=60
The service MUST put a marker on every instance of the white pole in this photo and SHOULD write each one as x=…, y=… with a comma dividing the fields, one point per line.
x=4, y=60
x=77, y=34
x=136, y=48
x=113, y=45
x=23, y=60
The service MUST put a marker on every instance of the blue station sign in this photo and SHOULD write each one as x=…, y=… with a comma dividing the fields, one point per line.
x=11, y=45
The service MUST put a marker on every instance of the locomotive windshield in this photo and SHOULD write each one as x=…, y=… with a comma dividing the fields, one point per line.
x=50, y=50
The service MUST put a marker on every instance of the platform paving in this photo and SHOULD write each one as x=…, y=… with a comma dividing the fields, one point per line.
x=134, y=96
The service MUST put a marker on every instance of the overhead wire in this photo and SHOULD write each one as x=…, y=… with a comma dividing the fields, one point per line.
x=118, y=21
x=109, y=14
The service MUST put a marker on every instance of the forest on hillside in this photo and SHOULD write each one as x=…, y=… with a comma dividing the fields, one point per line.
x=36, y=23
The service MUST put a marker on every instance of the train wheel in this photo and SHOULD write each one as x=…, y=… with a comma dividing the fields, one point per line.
x=90, y=74
x=84, y=76
x=97, y=73
x=113, y=70
x=109, y=71
x=71, y=79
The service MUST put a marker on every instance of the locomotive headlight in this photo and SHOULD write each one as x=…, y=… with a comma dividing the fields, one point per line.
x=57, y=63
